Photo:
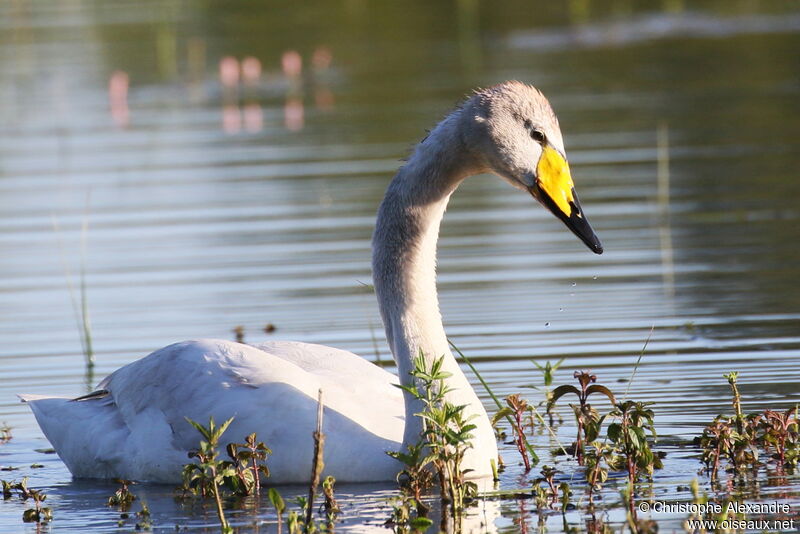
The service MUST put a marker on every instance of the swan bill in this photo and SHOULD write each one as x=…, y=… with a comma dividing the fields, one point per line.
x=555, y=190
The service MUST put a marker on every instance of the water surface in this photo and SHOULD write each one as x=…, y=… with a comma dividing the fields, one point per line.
x=209, y=206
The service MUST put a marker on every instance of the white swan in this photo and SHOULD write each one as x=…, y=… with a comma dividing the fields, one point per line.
x=133, y=427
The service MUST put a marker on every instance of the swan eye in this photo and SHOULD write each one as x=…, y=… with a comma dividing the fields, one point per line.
x=537, y=136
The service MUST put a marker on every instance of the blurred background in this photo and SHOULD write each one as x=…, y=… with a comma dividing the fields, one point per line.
x=178, y=169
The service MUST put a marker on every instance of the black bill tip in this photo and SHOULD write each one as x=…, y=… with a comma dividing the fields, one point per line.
x=576, y=221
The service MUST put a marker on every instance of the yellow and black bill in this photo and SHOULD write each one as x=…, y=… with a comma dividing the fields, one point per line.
x=555, y=190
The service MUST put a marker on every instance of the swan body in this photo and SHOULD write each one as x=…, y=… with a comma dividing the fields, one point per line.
x=137, y=429
x=134, y=426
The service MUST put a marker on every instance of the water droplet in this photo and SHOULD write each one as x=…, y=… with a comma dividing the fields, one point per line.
x=594, y=278
x=561, y=309
x=574, y=284
x=547, y=325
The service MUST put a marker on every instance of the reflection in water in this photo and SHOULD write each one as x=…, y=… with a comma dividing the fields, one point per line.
x=241, y=103
x=229, y=73
x=664, y=227
x=648, y=27
x=251, y=71
x=229, y=78
x=321, y=64
x=292, y=65
x=293, y=109
x=252, y=111
x=118, y=98
x=294, y=113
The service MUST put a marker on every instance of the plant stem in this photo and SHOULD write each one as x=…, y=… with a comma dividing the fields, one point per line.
x=220, y=513
x=316, y=468
x=638, y=361
x=534, y=456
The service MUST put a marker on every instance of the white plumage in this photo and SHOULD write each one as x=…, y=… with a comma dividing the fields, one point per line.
x=138, y=431
x=134, y=427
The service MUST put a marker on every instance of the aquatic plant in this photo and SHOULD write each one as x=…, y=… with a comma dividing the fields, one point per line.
x=548, y=477
x=278, y=503
x=629, y=436
x=415, y=478
x=248, y=462
x=405, y=518
x=143, y=518
x=80, y=308
x=238, y=331
x=716, y=443
x=779, y=431
x=587, y=418
x=737, y=399
x=294, y=523
x=740, y=439
x=699, y=499
x=123, y=496
x=534, y=458
x=318, y=465
x=409, y=511
x=547, y=370
x=211, y=476
x=598, y=459
x=516, y=407
x=144, y=521
x=5, y=433
x=446, y=434
x=209, y=473
x=330, y=505
x=495, y=470
x=39, y=513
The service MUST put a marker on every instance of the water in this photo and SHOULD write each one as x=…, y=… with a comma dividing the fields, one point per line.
x=209, y=207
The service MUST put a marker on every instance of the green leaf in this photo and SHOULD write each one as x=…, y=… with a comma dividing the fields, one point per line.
x=591, y=430
x=276, y=500
x=560, y=391
x=420, y=523
x=224, y=427
x=633, y=437
x=200, y=428
x=597, y=388
x=614, y=431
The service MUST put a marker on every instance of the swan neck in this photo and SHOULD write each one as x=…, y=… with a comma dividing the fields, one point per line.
x=404, y=244
x=404, y=261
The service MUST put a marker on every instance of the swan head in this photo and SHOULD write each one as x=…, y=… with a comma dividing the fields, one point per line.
x=515, y=134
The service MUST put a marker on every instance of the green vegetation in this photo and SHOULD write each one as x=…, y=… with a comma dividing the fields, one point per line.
x=123, y=496
x=738, y=441
x=248, y=460
x=586, y=416
x=534, y=458
x=208, y=474
x=80, y=303
x=37, y=514
x=629, y=437
x=548, y=370
x=516, y=407
x=445, y=438
x=608, y=444
x=226, y=482
x=277, y=502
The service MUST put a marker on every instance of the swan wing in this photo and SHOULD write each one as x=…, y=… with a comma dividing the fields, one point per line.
x=135, y=425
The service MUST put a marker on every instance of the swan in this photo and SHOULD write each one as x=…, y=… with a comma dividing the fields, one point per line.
x=133, y=426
